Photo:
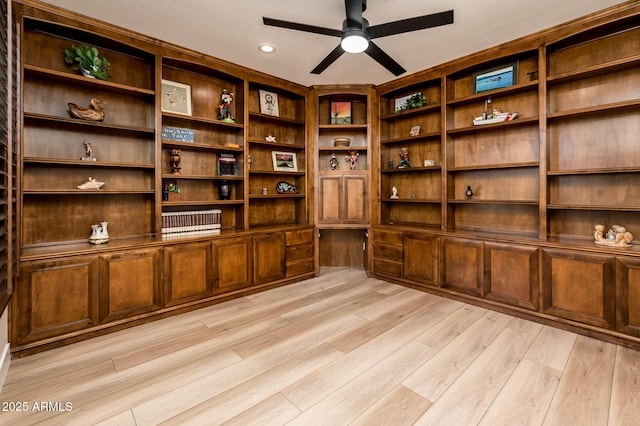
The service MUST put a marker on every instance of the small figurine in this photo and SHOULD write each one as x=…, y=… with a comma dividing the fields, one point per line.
x=333, y=161
x=225, y=106
x=352, y=158
x=88, y=152
x=404, y=158
x=99, y=233
x=93, y=113
x=391, y=163
x=394, y=193
x=270, y=138
x=495, y=116
x=91, y=183
x=250, y=161
x=617, y=236
x=175, y=161
x=468, y=193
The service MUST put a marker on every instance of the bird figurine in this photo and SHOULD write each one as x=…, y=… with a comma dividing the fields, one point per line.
x=93, y=113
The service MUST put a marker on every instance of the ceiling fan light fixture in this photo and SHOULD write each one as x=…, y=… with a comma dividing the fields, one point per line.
x=354, y=41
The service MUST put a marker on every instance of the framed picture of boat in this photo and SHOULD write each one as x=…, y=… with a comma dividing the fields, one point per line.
x=495, y=78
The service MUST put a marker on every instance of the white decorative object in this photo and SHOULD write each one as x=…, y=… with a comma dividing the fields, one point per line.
x=270, y=138
x=99, y=233
x=617, y=236
x=394, y=193
x=91, y=183
x=495, y=116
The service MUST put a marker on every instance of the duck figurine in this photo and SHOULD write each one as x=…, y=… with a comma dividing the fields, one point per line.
x=93, y=113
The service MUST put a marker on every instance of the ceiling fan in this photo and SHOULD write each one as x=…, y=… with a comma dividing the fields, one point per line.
x=356, y=34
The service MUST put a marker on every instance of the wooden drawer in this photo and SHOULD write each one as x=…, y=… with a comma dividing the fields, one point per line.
x=388, y=252
x=387, y=237
x=299, y=268
x=299, y=237
x=386, y=267
x=300, y=251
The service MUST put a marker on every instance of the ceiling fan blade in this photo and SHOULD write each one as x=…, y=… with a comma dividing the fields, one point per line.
x=411, y=24
x=354, y=10
x=331, y=58
x=301, y=27
x=383, y=59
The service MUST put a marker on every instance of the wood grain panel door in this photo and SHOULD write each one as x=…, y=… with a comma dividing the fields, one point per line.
x=354, y=199
x=462, y=265
x=329, y=195
x=579, y=286
x=130, y=283
x=269, y=257
x=187, y=273
x=512, y=274
x=53, y=298
x=232, y=264
x=421, y=258
x=628, y=296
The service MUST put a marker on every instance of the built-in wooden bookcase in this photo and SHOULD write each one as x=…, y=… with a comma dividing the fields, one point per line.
x=419, y=187
x=593, y=120
x=199, y=178
x=499, y=162
x=343, y=189
x=287, y=127
x=53, y=209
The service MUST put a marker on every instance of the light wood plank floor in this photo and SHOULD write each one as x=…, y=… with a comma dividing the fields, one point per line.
x=337, y=349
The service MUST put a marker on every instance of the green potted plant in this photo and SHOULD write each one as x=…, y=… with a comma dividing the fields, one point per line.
x=88, y=61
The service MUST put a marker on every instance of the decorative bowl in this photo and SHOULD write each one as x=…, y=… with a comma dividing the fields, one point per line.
x=341, y=142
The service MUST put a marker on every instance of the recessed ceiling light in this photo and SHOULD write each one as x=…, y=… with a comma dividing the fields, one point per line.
x=266, y=48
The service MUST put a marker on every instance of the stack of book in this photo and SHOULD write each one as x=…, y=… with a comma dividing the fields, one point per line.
x=191, y=223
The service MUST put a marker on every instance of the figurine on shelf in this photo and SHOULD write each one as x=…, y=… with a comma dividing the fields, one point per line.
x=175, y=161
x=617, y=236
x=93, y=113
x=495, y=116
x=270, y=138
x=352, y=158
x=88, y=149
x=394, y=193
x=468, y=193
x=91, y=183
x=391, y=166
x=333, y=161
x=99, y=233
x=404, y=158
x=225, y=106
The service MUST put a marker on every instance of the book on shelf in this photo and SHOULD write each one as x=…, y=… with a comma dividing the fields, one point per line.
x=227, y=164
x=191, y=221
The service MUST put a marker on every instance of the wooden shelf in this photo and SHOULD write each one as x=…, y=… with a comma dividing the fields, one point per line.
x=276, y=144
x=203, y=120
x=472, y=201
x=413, y=169
x=593, y=207
x=27, y=191
x=275, y=173
x=274, y=196
x=343, y=148
x=593, y=171
x=83, y=123
x=411, y=200
x=616, y=106
x=181, y=203
x=494, y=166
x=202, y=147
x=275, y=119
x=342, y=126
x=80, y=163
x=595, y=70
x=199, y=177
x=411, y=112
x=495, y=94
x=410, y=139
x=526, y=121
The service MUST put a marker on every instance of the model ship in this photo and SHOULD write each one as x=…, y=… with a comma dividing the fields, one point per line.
x=495, y=116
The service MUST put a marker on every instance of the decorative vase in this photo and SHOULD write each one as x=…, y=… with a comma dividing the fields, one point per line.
x=85, y=72
x=224, y=190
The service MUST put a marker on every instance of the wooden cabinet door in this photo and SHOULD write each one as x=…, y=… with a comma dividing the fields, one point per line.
x=329, y=195
x=579, y=286
x=462, y=265
x=269, y=262
x=421, y=258
x=231, y=264
x=353, y=205
x=512, y=274
x=187, y=272
x=54, y=297
x=130, y=283
x=628, y=296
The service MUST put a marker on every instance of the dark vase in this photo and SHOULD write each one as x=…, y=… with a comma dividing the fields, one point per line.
x=224, y=190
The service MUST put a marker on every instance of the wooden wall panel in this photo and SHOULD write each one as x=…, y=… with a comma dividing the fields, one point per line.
x=512, y=274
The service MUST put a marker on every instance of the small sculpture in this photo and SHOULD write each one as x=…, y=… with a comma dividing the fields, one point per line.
x=91, y=183
x=333, y=161
x=225, y=106
x=468, y=193
x=617, y=236
x=88, y=149
x=495, y=116
x=270, y=138
x=404, y=158
x=391, y=163
x=286, y=188
x=93, y=113
x=394, y=193
x=352, y=158
x=99, y=233
x=175, y=161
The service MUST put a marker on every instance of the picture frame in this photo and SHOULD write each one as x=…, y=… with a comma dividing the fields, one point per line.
x=269, y=103
x=400, y=102
x=176, y=97
x=340, y=112
x=227, y=164
x=284, y=161
x=495, y=78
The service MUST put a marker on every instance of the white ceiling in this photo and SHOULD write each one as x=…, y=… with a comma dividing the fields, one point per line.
x=232, y=29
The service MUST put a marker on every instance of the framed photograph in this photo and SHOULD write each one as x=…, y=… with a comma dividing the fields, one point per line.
x=176, y=97
x=495, y=78
x=341, y=112
x=269, y=103
x=284, y=161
